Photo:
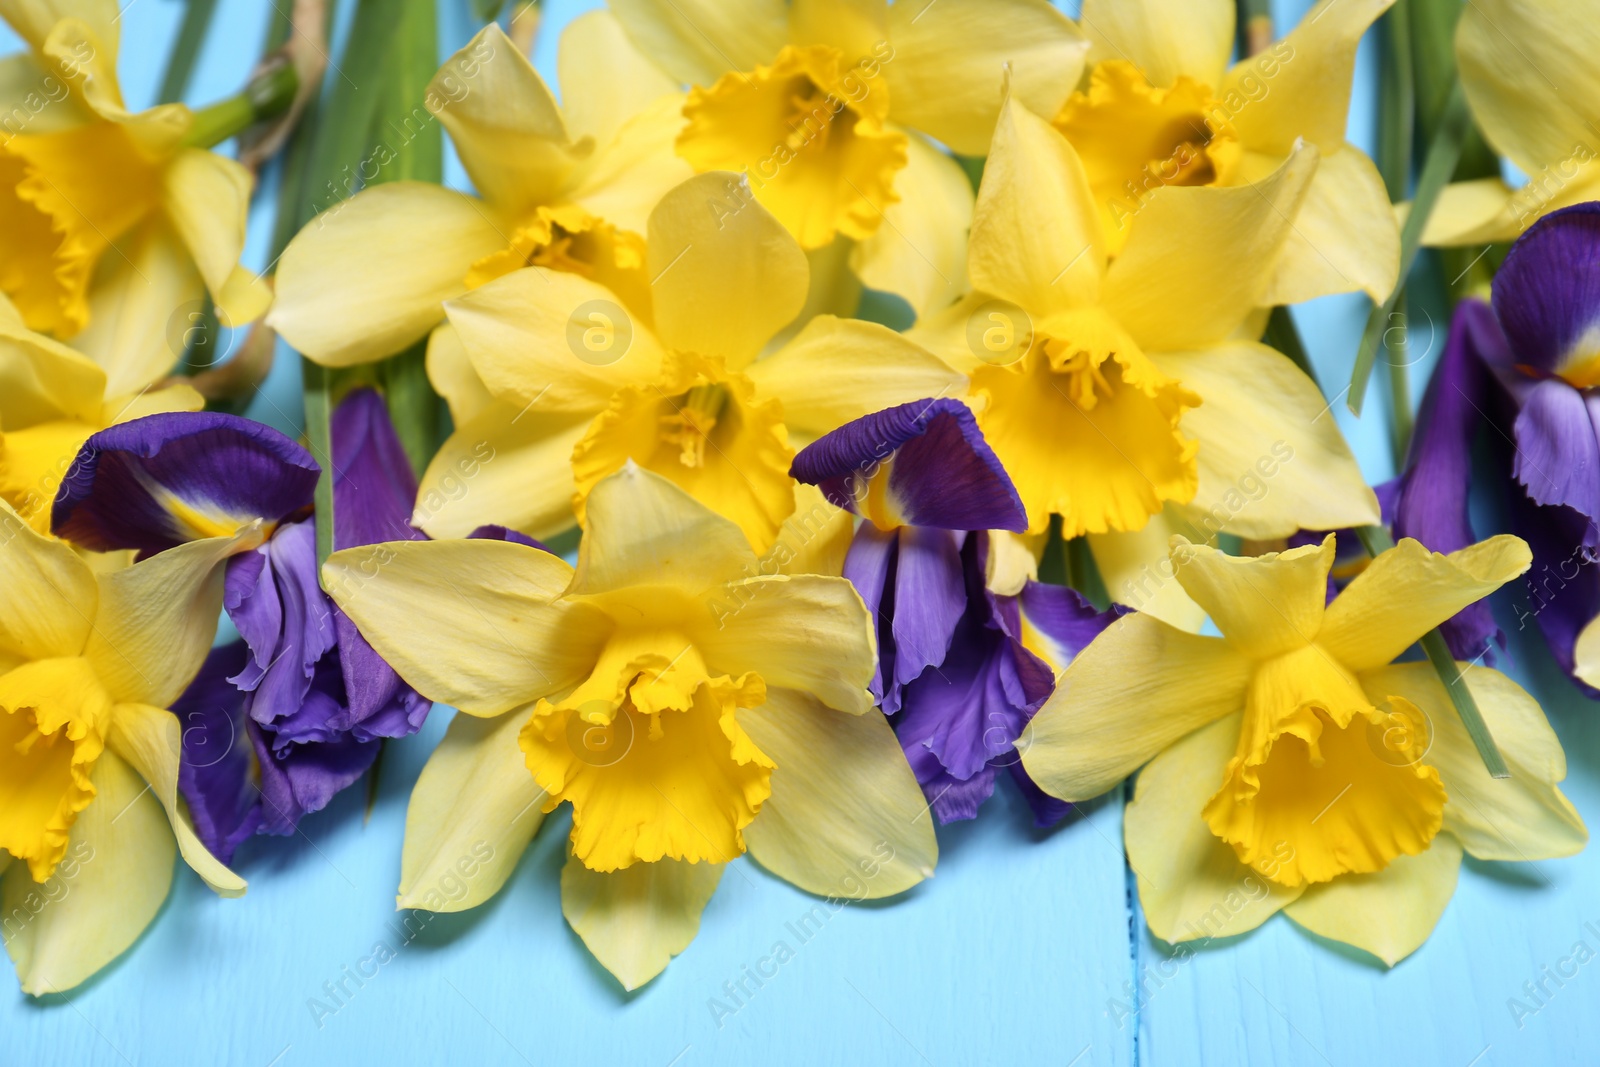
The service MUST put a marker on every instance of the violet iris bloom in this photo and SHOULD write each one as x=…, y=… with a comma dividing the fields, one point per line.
x=278, y=723
x=957, y=673
x=1527, y=364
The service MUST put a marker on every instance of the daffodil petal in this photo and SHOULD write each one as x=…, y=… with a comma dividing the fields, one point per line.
x=1408, y=590
x=1191, y=885
x=605, y=78
x=494, y=639
x=1344, y=237
x=151, y=740
x=1166, y=39
x=367, y=277
x=698, y=40
x=1309, y=94
x=629, y=174
x=453, y=376
x=1199, y=258
x=725, y=274
x=1525, y=817
x=48, y=596
x=1137, y=688
x=634, y=920
x=1036, y=238
x=507, y=467
x=836, y=370
x=1136, y=567
x=142, y=310
x=528, y=334
x=1264, y=605
x=846, y=817
x=1272, y=459
x=950, y=57
x=1586, y=654
x=207, y=198
x=804, y=632
x=920, y=251
x=114, y=880
x=1388, y=913
x=157, y=618
x=814, y=539
x=472, y=814
x=43, y=379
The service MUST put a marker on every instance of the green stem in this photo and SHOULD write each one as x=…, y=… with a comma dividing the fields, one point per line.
x=268, y=95
x=1376, y=539
x=319, y=438
x=1400, y=421
x=186, y=49
x=1255, y=26
x=1443, y=155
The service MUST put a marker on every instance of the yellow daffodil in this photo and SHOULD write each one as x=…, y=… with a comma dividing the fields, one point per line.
x=88, y=755
x=1292, y=764
x=51, y=399
x=565, y=187
x=565, y=386
x=1128, y=394
x=1534, y=91
x=1163, y=107
x=832, y=109
x=688, y=701
x=102, y=208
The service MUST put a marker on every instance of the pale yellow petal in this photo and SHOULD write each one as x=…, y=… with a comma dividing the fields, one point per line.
x=1487, y=210
x=157, y=618
x=851, y=26
x=1199, y=258
x=814, y=539
x=366, y=278
x=142, y=308
x=110, y=887
x=1165, y=39
x=504, y=123
x=151, y=740
x=207, y=199
x=1408, y=590
x=1272, y=459
x=1389, y=913
x=846, y=817
x=1036, y=237
x=472, y=813
x=837, y=370
x=634, y=920
x=1517, y=819
x=1344, y=237
x=48, y=596
x=1528, y=70
x=643, y=530
x=1586, y=653
x=495, y=638
x=627, y=176
x=1191, y=885
x=1308, y=92
x=42, y=379
x=179, y=396
x=1136, y=689
x=605, y=79
x=920, y=251
x=509, y=466
x=696, y=41
x=947, y=67
x=725, y=275
x=805, y=632
x=1136, y=567
x=34, y=19
x=554, y=340
x=1264, y=605
x=453, y=377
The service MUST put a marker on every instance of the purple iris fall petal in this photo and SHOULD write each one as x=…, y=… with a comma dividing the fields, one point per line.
x=942, y=473
x=214, y=771
x=1561, y=591
x=297, y=780
x=1547, y=293
x=159, y=481
x=1557, y=457
x=1064, y=618
x=503, y=533
x=929, y=598
x=374, y=487
x=869, y=565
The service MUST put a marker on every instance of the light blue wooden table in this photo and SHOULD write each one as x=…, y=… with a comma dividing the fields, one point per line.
x=1025, y=948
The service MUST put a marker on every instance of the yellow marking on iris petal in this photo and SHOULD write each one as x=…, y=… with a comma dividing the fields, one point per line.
x=878, y=504
x=1318, y=770
x=1088, y=428
x=1581, y=366
x=811, y=136
x=54, y=715
x=1134, y=138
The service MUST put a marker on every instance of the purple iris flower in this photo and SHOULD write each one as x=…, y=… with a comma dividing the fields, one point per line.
x=1527, y=364
x=955, y=674
x=276, y=724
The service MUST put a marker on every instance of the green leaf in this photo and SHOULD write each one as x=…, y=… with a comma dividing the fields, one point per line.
x=186, y=49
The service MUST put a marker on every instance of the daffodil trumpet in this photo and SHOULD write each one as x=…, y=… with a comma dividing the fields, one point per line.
x=682, y=734
x=1294, y=752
